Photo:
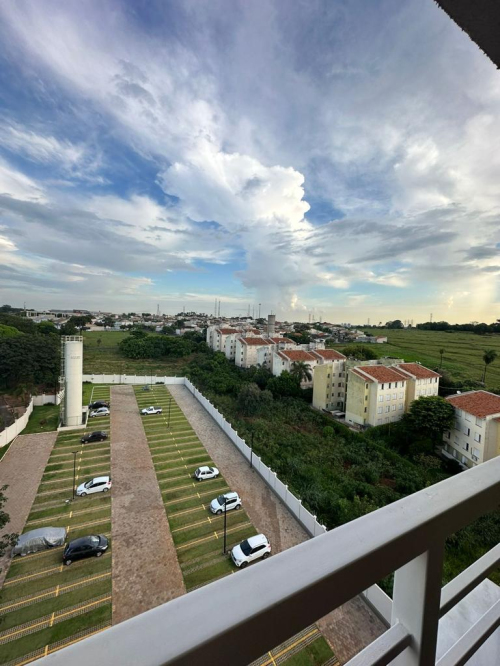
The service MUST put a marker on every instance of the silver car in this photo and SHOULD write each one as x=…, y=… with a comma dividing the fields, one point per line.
x=229, y=501
x=101, y=484
x=102, y=411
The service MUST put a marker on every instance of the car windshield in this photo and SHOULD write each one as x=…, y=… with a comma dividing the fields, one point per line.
x=88, y=484
x=245, y=547
x=220, y=499
x=94, y=540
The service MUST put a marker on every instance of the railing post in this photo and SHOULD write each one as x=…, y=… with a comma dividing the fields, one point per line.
x=416, y=599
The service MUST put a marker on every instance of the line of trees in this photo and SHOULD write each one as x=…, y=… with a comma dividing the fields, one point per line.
x=472, y=327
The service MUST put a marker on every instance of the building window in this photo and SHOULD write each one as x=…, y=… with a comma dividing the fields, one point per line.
x=366, y=398
x=477, y=437
x=401, y=395
x=379, y=410
x=340, y=383
x=366, y=386
x=365, y=410
x=457, y=425
x=394, y=408
x=389, y=385
x=479, y=422
x=387, y=419
x=379, y=421
x=328, y=375
x=400, y=406
x=468, y=417
x=454, y=453
x=394, y=396
x=388, y=408
x=339, y=395
x=459, y=412
x=466, y=431
x=382, y=387
x=466, y=446
x=388, y=397
x=381, y=398
x=464, y=459
x=448, y=435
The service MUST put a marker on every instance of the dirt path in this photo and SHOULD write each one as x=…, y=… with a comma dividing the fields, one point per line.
x=21, y=469
x=145, y=569
x=349, y=628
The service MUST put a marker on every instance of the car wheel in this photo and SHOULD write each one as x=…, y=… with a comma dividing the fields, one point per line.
x=265, y=556
x=200, y=479
x=218, y=512
x=99, y=553
x=238, y=506
x=68, y=562
x=105, y=490
x=83, y=495
x=243, y=565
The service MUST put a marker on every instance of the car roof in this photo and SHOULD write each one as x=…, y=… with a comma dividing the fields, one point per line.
x=205, y=468
x=82, y=541
x=257, y=540
x=101, y=478
x=97, y=432
x=230, y=495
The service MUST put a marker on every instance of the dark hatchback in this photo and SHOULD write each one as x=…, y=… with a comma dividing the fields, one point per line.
x=98, y=436
x=94, y=545
x=99, y=403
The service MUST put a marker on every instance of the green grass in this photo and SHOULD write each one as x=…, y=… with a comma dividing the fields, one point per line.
x=314, y=654
x=462, y=357
x=105, y=357
x=43, y=419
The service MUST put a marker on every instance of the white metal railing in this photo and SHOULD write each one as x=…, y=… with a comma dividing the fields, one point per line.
x=238, y=618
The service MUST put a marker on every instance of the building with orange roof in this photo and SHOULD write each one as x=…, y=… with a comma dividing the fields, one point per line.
x=329, y=379
x=421, y=381
x=475, y=436
x=284, y=360
x=247, y=348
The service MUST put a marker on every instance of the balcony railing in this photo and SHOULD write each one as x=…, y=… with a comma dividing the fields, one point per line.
x=237, y=619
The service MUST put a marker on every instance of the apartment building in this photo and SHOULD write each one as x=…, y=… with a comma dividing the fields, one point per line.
x=329, y=380
x=216, y=337
x=265, y=353
x=421, y=381
x=376, y=394
x=284, y=360
x=246, y=351
x=475, y=437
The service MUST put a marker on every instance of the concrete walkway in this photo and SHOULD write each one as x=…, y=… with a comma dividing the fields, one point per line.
x=145, y=571
x=349, y=628
x=21, y=469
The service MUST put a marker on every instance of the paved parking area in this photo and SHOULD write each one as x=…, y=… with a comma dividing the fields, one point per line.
x=21, y=469
x=349, y=628
x=145, y=569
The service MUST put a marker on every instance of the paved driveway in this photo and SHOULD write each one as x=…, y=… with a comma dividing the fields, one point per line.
x=349, y=628
x=21, y=469
x=145, y=569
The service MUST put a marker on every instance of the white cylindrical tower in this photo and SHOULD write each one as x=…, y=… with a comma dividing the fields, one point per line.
x=271, y=325
x=73, y=376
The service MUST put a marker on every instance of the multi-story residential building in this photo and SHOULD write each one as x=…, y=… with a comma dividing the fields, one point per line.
x=216, y=337
x=284, y=360
x=246, y=351
x=421, y=381
x=376, y=394
x=265, y=354
x=329, y=380
x=475, y=437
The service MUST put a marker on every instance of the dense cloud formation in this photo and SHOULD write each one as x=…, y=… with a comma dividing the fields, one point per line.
x=299, y=157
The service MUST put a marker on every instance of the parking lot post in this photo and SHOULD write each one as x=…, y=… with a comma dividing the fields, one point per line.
x=225, y=524
x=74, y=471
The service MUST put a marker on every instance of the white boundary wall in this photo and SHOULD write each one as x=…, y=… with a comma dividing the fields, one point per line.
x=131, y=379
x=13, y=430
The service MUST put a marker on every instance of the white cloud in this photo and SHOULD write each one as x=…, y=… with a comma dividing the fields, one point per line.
x=15, y=184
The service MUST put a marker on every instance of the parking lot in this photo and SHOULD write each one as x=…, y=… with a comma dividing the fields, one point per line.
x=45, y=605
x=198, y=534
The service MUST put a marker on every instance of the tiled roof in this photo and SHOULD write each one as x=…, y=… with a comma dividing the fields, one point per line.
x=418, y=371
x=379, y=373
x=254, y=342
x=287, y=340
x=228, y=331
x=329, y=354
x=297, y=355
x=477, y=403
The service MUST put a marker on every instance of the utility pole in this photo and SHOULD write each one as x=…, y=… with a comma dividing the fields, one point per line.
x=74, y=471
x=225, y=524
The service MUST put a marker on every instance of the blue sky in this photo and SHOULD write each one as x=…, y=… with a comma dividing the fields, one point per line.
x=336, y=157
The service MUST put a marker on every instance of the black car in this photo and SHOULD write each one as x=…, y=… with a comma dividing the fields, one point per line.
x=98, y=403
x=85, y=547
x=98, y=436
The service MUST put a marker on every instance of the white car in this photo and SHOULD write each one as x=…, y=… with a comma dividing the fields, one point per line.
x=101, y=484
x=151, y=410
x=251, y=549
x=229, y=500
x=102, y=411
x=203, y=473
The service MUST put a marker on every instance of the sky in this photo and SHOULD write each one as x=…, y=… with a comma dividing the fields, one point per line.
x=339, y=160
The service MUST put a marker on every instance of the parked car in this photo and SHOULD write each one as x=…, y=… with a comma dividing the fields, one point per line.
x=151, y=410
x=205, y=472
x=85, y=547
x=102, y=411
x=229, y=500
x=101, y=484
x=251, y=549
x=39, y=539
x=97, y=436
x=98, y=403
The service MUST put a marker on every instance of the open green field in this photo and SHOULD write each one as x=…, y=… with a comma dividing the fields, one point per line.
x=462, y=358
x=197, y=533
x=45, y=605
x=105, y=358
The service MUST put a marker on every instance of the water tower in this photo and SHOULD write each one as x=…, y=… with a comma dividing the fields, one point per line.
x=271, y=325
x=71, y=379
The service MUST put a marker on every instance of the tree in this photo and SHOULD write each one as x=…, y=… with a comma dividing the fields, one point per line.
x=397, y=323
x=138, y=333
x=9, y=331
x=98, y=342
x=360, y=352
x=488, y=357
x=108, y=321
x=251, y=400
x=441, y=352
x=284, y=385
x=431, y=416
x=302, y=371
x=7, y=539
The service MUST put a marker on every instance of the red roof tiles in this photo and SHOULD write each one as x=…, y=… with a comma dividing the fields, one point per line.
x=418, y=371
x=329, y=354
x=297, y=355
x=477, y=403
x=379, y=373
x=254, y=341
x=228, y=331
